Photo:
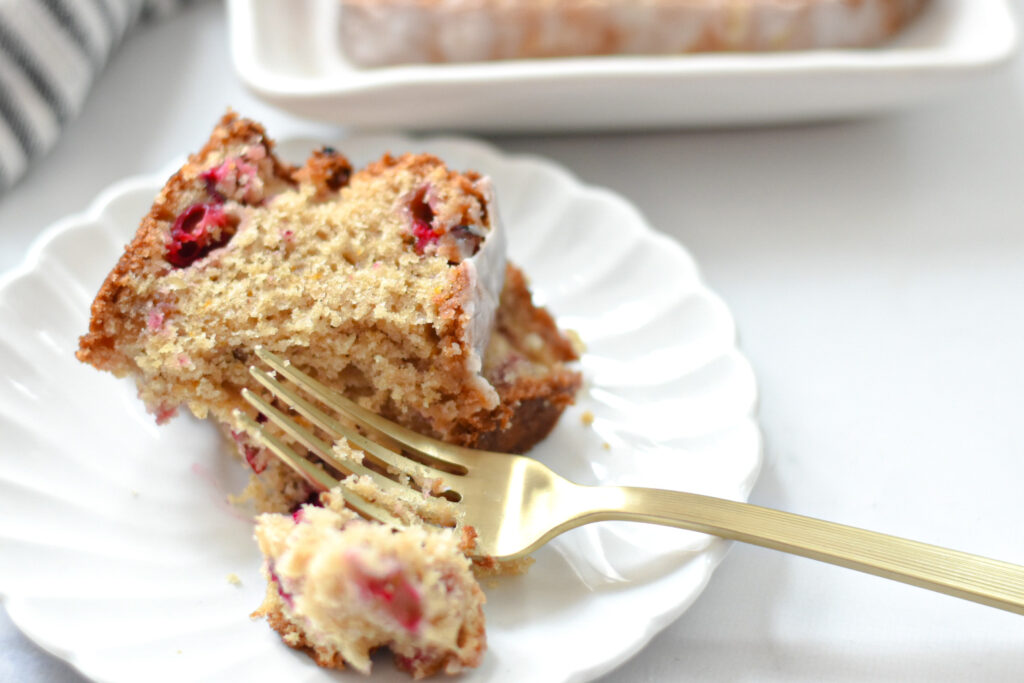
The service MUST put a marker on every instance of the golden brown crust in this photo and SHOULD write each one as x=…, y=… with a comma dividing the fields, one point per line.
x=465, y=182
x=291, y=635
x=518, y=314
x=144, y=255
x=530, y=406
x=422, y=164
x=529, y=421
x=327, y=170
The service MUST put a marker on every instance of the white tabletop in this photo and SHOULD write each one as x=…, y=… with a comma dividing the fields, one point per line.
x=876, y=272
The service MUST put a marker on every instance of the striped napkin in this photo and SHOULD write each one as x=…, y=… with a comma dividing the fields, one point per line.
x=50, y=53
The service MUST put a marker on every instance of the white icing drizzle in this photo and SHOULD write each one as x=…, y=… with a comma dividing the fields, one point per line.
x=486, y=271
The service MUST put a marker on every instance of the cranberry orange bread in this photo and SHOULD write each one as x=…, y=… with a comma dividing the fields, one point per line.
x=388, y=283
x=340, y=587
x=383, y=32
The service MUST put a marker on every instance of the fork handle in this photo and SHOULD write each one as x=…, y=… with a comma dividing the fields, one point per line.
x=963, y=575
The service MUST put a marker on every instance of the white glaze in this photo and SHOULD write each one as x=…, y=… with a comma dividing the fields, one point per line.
x=486, y=271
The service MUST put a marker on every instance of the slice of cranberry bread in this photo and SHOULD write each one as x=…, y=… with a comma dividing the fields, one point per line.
x=388, y=283
x=340, y=586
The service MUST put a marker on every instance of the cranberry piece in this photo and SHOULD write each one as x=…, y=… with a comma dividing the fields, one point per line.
x=252, y=456
x=197, y=231
x=396, y=595
x=424, y=234
x=211, y=177
x=164, y=414
x=155, y=319
x=401, y=599
x=422, y=221
x=234, y=178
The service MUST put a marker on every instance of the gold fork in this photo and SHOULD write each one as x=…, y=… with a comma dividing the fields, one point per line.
x=516, y=504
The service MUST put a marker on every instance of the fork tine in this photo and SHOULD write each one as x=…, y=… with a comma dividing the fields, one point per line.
x=440, y=451
x=314, y=475
x=326, y=453
x=422, y=475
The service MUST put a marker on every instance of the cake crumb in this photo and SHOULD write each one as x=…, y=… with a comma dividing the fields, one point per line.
x=179, y=652
x=234, y=580
x=587, y=418
x=607, y=446
x=576, y=341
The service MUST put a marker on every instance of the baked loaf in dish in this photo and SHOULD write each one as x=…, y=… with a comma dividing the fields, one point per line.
x=388, y=32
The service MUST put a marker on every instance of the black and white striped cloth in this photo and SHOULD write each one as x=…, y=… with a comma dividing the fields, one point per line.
x=50, y=53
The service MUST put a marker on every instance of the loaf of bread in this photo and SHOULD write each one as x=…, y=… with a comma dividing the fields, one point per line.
x=388, y=32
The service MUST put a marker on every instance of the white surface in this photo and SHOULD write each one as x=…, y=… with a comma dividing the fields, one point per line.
x=874, y=269
x=288, y=52
x=140, y=510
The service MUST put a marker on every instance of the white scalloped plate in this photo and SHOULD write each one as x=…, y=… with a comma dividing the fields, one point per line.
x=116, y=542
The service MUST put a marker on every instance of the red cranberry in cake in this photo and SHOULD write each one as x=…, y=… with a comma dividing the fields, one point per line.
x=450, y=235
x=240, y=178
x=198, y=230
x=155, y=319
x=165, y=413
x=256, y=458
x=390, y=591
x=424, y=234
